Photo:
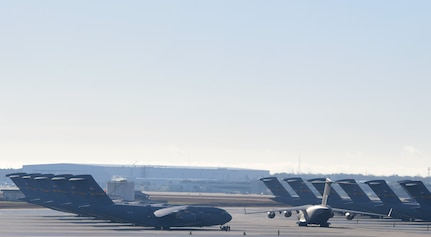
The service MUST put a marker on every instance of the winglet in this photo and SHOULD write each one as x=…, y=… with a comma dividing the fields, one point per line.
x=390, y=212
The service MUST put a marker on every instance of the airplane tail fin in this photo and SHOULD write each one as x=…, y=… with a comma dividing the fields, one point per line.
x=355, y=192
x=384, y=192
x=280, y=193
x=302, y=189
x=319, y=184
x=326, y=191
x=418, y=191
x=88, y=190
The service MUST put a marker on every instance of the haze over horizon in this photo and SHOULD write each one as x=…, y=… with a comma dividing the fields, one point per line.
x=327, y=86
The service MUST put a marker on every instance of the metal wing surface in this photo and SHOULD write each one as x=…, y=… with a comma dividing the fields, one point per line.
x=169, y=210
x=296, y=208
x=361, y=212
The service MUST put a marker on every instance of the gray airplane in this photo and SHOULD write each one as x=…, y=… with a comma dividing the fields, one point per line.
x=420, y=193
x=280, y=192
x=318, y=214
x=302, y=190
x=335, y=200
x=82, y=195
x=360, y=199
x=406, y=211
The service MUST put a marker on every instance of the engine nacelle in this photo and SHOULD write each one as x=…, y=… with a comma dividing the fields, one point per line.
x=287, y=213
x=271, y=214
x=349, y=216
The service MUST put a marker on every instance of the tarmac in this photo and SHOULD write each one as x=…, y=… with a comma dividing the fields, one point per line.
x=46, y=222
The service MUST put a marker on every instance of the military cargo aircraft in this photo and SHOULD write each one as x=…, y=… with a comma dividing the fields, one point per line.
x=303, y=191
x=82, y=195
x=418, y=191
x=280, y=192
x=406, y=211
x=318, y=214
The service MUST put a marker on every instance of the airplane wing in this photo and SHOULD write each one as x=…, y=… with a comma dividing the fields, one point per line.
x=169, y=210
x=281, y=210
x=304, y=207
x=361, y=212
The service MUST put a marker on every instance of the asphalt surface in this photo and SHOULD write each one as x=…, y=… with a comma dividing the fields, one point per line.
x=45, y=222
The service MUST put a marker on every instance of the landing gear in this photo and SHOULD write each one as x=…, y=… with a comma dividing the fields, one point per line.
x=225, y=227
x=302, y=223
x=326, y=224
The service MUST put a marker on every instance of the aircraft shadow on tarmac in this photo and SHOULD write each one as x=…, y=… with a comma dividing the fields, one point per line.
x=172, y=229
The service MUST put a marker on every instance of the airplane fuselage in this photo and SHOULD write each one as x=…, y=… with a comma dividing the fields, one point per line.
x=81, y=194
x=315, y=215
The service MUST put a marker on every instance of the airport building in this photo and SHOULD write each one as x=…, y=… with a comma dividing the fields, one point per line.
x=164, y=178
x=12, y=194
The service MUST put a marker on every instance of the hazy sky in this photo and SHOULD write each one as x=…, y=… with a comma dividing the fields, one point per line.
x=337, y=86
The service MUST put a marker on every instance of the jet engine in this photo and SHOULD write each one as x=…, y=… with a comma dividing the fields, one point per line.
x=287, y=213
x=271, y=214
x=349, y=216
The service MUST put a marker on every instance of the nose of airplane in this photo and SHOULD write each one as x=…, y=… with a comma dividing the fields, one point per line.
x=226, y=217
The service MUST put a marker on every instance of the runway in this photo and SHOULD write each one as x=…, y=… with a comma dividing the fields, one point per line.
x=45, y=222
